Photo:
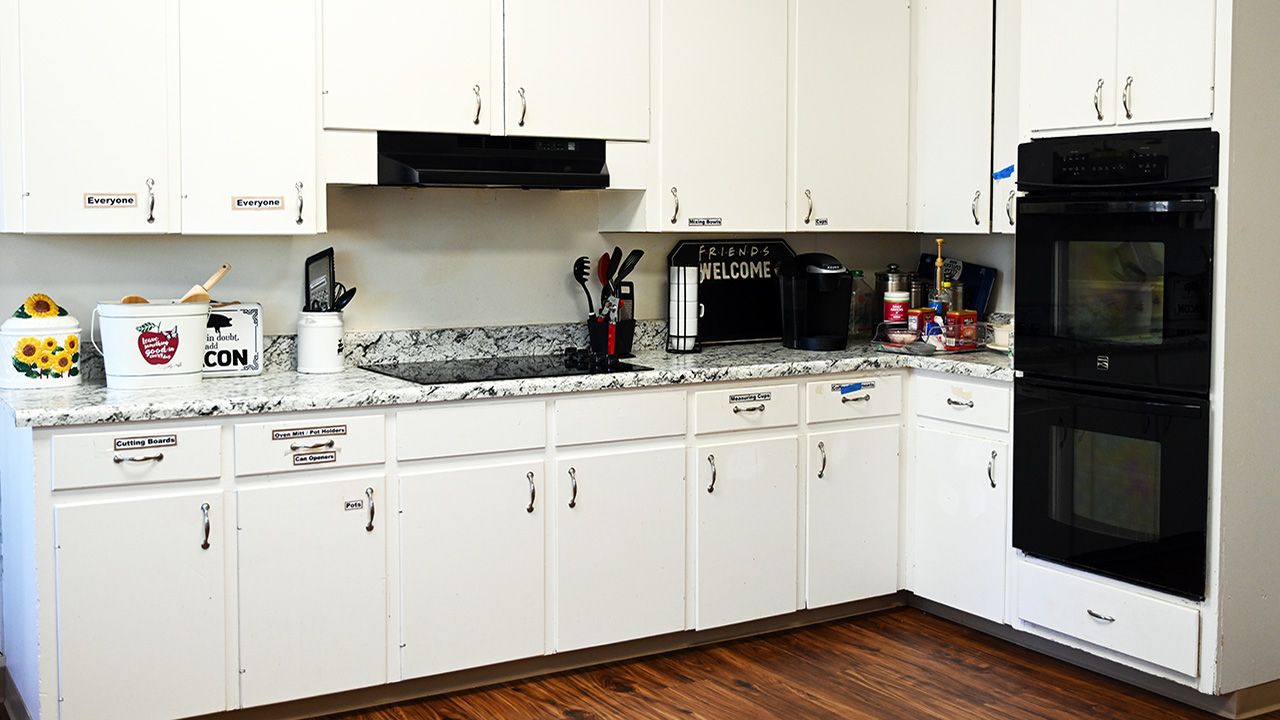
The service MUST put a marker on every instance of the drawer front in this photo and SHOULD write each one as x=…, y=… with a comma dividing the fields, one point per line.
x=1158, y=631
x=305, y=443
x=132, y=455
x=471, y=428
x=853, y=398
x=746, y=408
x=604, y=417
x=963, y=402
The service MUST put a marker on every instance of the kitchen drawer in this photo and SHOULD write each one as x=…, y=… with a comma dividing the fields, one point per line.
x=603, y=417
x=135, y=454
x=1149, y=628
x=963, y=402
x=746, y=408
x=304, y=442
x=471, y=428
x=853, y=398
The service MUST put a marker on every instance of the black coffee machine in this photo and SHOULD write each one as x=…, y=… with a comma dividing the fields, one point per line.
x=816, y=292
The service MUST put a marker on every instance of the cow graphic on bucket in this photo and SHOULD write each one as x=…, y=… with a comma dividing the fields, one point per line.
x=158, y=346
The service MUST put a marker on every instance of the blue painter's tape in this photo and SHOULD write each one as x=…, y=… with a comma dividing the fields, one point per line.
x=1002, y=174
x=853, y=387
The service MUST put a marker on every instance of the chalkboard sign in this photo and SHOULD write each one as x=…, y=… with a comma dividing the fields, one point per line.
x=737, y=287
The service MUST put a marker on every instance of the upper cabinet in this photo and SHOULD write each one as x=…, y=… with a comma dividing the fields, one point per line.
x=849, y=81
x=569, y=68
x=1005, y=131
x=1099, y=63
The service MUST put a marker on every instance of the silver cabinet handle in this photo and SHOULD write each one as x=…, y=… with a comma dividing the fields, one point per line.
x=368, y=494
x=753, y=408
x=712, y=487
x=141, y=459
x=1100, y=616
x=204, y=510
x=957, y=403
x=1128, y=85
x=991, y=469
x=1008, y=206
x=524, y=107
x=822, y=470
x=476, y=89
x=974, y=208
x=298, y=186
x=676, y=212
x=808, y=196
x=313, y=446
x=1097, y=99
x=151, y=200
x=533, y=493
x=860, y=398
x=573, y=481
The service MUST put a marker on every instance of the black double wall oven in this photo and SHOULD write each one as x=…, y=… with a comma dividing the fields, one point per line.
x=1114, y=307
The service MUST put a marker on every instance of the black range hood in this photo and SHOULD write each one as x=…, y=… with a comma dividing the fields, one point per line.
x=442, y=159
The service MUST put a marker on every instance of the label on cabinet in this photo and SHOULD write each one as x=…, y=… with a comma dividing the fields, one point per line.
x=751, y=397
x=705, y=222
x=257, y=203
x=97, y=201
x=295, y=433
x=820, y=222
x=143, y=443
x=315, y=458
x=353, y=505
x=844, y=388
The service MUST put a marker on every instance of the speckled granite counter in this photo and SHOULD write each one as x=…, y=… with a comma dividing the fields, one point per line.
x=283, y=390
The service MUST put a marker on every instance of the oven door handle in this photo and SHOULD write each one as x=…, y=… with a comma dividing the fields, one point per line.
x=1112, y=402
x=1112, y=207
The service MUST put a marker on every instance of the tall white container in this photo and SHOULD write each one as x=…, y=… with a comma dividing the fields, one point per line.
x=155, y=344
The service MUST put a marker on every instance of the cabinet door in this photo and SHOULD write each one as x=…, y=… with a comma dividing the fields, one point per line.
x=850, y=64
x=249, y=118
x=418, y=65
x=722, y=118
x=961, y=512
x=1166, y=46
x=620, y=537
x=1005, y=132
x=852, y=548
x=577, y=68
x=141, y=608
x=98, y=105
x=472, y=563
x=313, y=595
x=746, y=535
x=1068, y=60
x=952, y=166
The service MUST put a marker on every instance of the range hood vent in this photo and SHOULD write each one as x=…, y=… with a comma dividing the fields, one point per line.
x=441, y=159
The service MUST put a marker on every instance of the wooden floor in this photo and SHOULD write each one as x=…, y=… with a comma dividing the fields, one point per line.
x=894, y=664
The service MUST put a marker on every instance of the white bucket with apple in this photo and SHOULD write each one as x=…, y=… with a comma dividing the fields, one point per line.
x=153, y=344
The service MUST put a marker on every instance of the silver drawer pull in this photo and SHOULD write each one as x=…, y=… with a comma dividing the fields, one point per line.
x=753, y=408
x=573, y=480
x=476, y=89
x=368, y=494
x=1100, y=616
x=298, y=186
x=860, y=398
x=314, y=446
x=145, y=458
x=712, y=487
x=1097, y=99
x=533, y=493
x=991, y=469
x=957, y=403
x=204, y=509
x=822, y=470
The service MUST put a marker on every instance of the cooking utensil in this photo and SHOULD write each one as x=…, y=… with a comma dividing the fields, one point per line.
x=317, y=282
x=134, y=300
x=614, y=261
x=627, y=266
x=200, y=293
x=602, y=272
x=581, y=269
x=343, y=299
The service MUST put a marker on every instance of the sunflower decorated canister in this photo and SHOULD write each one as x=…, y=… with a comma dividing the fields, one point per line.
x=43, y=343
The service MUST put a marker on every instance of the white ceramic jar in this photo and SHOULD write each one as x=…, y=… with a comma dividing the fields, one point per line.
x=43, y=344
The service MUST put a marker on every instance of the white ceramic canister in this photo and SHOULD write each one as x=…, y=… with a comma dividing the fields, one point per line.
x=320, y=342
x=154, y=344
x=43, y=343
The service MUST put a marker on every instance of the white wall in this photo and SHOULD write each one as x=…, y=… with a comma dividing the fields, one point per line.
x=421, y=257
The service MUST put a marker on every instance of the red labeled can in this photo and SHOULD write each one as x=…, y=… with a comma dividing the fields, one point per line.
x=962, y=330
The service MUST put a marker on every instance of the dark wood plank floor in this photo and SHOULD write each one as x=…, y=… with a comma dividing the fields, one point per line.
x=895, y=664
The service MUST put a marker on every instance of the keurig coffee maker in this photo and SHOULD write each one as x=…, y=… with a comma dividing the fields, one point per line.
x=816, y=294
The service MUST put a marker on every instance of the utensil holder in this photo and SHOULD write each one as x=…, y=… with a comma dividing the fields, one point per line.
x=683, y=310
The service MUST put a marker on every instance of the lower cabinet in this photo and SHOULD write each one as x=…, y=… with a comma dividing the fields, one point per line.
x=313, y=588
x=746, y=540
x=472, y=564
x=141, y=613
x=620, y=524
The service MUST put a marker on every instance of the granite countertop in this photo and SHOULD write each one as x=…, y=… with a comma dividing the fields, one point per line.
x=283, y=390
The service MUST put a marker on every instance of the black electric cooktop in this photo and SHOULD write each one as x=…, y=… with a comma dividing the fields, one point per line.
x=519, y=367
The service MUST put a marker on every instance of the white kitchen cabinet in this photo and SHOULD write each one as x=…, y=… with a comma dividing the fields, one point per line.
x=951, y=163
x=1099, y=63
x=1005, y=128
x=960, y=517
x=472, y=559
x=620, y=524
x=141, y=624
x=849, y=91
x=313, y=587
x=746, y=530
x=249, y=120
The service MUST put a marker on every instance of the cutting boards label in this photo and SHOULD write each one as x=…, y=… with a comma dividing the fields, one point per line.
x=146, y=443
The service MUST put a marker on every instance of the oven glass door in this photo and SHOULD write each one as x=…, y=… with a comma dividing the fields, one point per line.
x=1116, y=290
x=1115, y=484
